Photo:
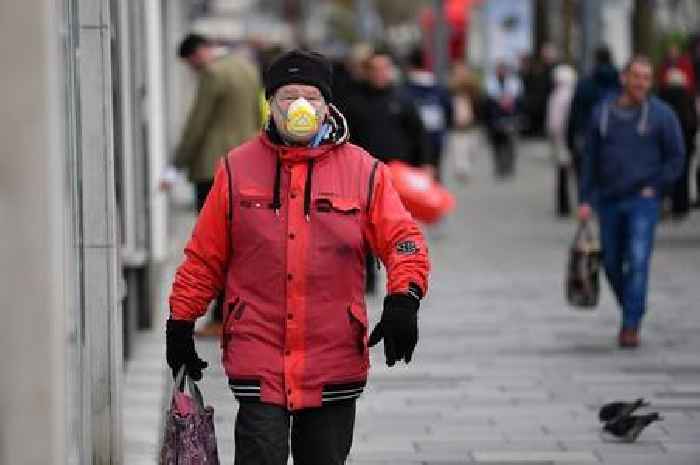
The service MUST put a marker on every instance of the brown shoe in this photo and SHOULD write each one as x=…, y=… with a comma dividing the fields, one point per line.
x=628, y=338
x=211, y=329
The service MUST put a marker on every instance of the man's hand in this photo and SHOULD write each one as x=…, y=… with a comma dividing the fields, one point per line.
x=585, y=212
x=430, y=171
x=398, y=327
x=165, y=185
x=168, y=179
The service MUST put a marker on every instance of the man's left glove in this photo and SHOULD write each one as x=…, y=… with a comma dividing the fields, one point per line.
x=179, y=349
x=398, y=327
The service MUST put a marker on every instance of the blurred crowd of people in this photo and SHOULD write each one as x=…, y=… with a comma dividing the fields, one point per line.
x=674, y=83
x=397, y=109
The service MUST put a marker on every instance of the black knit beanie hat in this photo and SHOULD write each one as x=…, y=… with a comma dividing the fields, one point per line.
x=299, y=67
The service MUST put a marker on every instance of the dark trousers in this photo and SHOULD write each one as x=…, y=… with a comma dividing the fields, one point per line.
x=563, y=200
x=503, y=144
x=370, y=274
x=504, y=158
x=680, y=198
x=319, y=436
x=201, y=190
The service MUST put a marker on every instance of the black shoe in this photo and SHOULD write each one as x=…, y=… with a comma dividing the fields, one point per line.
x=629, y=428
x=616, y=410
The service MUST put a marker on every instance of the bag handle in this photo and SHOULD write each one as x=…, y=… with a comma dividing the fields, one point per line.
x=584, y=227
x=178, y=386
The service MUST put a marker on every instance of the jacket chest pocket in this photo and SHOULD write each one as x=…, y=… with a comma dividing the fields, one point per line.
x=338, y=224
x=254, y=219
x=338, y=206
x=255, y=203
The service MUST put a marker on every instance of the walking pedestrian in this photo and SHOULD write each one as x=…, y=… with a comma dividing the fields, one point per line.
x=602, y=83
x=433, y=102
x=504, y=89
x=557, y=114
x=383, y=120
x=676, y=93
x=225, y=112
x=677, y=61
x=634, y=154
x=537, y=75
x=386, y=123
x=284, y=232
x=694, y=52
x=350, y=77
x=466, y=102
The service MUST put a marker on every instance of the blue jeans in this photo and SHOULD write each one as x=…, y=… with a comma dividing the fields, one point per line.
x=627, y=229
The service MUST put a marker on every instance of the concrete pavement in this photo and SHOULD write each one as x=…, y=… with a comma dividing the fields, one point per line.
x=505, y=372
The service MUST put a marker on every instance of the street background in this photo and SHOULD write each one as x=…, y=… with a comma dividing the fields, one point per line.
x=95, y=98
x=505, y=371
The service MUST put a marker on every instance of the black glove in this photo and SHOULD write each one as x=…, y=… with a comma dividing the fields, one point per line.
x=179, y=349
x=398, y=327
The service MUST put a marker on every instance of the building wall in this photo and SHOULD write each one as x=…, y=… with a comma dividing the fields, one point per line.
x=32, y=227
x=61, y=331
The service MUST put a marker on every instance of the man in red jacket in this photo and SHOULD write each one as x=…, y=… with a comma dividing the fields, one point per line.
x=283, y=234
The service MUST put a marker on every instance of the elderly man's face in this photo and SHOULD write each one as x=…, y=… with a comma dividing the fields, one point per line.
x=285, y=96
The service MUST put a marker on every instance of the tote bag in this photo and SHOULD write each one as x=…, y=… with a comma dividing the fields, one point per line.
x=189, y=437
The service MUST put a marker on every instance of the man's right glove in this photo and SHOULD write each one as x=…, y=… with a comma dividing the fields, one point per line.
x=398, y=327
x=179, y=349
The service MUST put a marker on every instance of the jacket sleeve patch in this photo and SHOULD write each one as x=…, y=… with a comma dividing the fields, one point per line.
x=407, y=248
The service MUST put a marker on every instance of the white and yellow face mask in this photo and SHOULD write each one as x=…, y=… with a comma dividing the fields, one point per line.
x=302, y=118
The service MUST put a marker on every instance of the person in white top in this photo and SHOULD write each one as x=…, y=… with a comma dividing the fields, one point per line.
x=558, y=107
x=504, y=89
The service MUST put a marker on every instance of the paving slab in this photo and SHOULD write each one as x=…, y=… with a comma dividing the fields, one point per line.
x=534, y=456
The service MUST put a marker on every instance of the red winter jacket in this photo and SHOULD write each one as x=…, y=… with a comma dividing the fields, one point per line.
x=288, y=249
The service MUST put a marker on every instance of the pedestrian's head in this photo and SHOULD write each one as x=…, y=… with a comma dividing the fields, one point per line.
x=196, y=50
x=298, y=86
x=381, y=72
x=415, y=59
x=637, y=78
x=548, y=53
x=673, y=52
x=603, y=56
x=356, y=60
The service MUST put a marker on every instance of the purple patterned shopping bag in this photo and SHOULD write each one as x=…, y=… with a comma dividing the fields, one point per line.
x=189, y=437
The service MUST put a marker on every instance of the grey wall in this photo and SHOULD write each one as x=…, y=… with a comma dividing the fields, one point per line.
x=101, y=348
x=32, y=229
x=60, y=334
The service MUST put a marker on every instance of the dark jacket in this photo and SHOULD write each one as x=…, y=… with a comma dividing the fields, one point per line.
x=434, y=105
x=682, y=101
x=623, y=156
x=602, y=83
x=386, y=124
